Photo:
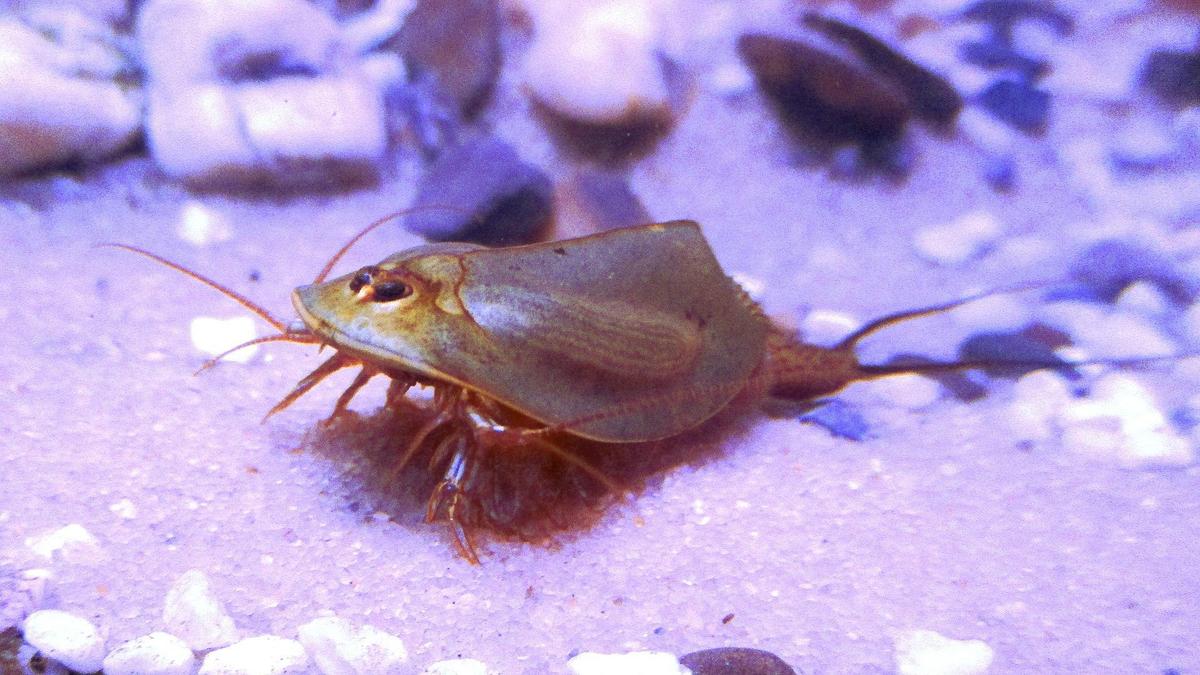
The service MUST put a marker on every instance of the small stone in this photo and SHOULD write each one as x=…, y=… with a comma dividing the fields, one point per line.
x=1037, y=399
x=1143, y=297
x=71, y=640
x=458, y=667
x=1003, y=15
x=826, y=327
x=632, y=663
x=999, y=312
x=960, y=240
x=735, y=661
x=262, y=655
x=1142, y=148
x=71, y=542
x=911, y=392
x=925, y=652
x=215, y=336
x=1121, y=422
x=202, y=226
x=1109, y=266
x=193, y=612
x=59, y=101
x=1173, y=76
x=1022, y=352
x=339, y=648
x=842, y=419
x=123, y=509
x=1000, y=172
x=1017, y=103
x=497, y=198
x=816, y=91
x=455, y=43
x=257, y=92
x=598, y=201
x=932, y=96
x=153, y=654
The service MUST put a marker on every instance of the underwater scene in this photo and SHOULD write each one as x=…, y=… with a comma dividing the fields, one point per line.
x=600, y=337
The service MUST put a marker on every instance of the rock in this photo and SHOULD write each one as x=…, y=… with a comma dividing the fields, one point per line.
x=1037, y=399
x=910, y=392
x=1002, y=15
x=193, y=612
x=1143, y=148
x=497, y=198
x=960, y=240
x=1107, y=267
x=1018, y=103
x=214, y=336
x=339, y=648
x=933, y=98
x=60, y=102
x=1120, y=422
x=262, y=655
x=993, y=312
x=840, y=419
x=594, y=201
x=924, y=652
x=458, y=667
x=816, y=91
x=456, y=43
x=826, y=327
x=1173, y=76
x=71, y=542
x=21, y=595
x=256, y=92
x=71, y=640
x=1017, y=346
x=735, y=661
x=200, y=225
x=632, y=663
x=996, y=55
x=153, y=654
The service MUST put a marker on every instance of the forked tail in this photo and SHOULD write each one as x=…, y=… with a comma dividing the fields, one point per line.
x=802, y=372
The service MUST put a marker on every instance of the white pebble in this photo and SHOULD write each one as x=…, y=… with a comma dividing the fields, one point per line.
x=262, y=655
x=960, y=240
x=71, y=640
x=458, y=667
x=911, y=392
x=123, y=509
x=72, y=542
x=154, y=654
x=614, y=42
x=1121, y=422
x=1105, y=333
x=214, y=336
x=193, y=612
x=827, y=327
x=1002, y=312
x=201, y=226
x=925, y=652
x=633, y=663
x=339, y=648
x=1037, y=399
x=1143, y=297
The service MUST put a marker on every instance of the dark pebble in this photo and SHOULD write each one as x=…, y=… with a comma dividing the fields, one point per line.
x=1000, y=173
x=1108, y=267
x=601, y=200
x=840, y=419
x=933, y=98
x=995, y=54
x=1173, y=76
x=1017, y=103
x=817, y=92
x=497, y=199
x=735, y=661
x=1002, y=15
x=1013, y=354
x=455, y=43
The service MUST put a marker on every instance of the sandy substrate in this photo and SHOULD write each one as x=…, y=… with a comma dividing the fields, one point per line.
x=821, y=549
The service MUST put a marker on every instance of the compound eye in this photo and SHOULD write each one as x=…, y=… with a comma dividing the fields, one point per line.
x=387, y=291
x=363, y=278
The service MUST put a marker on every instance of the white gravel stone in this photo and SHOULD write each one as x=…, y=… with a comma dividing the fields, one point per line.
x=340, y=648
x=261, y=655
x=960, y=240
x=1143, y=297
x=57, y=100
x=827, y=327
x=193, y=612
x=632, y=663
x=71, y=640
x=1002, y=312
x=207, y=122
x=911, y=392
x=1121, y=422
x=214, y=336
x=458, y=667
x=154, y=654
x=123, y=509
x=925, y=652
x=614, y=42
x=1104, y=333
x=200, y=226
x=1038, y=397
x=71, y=542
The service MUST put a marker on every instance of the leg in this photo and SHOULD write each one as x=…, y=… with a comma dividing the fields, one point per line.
x=339, y=408
x=451, y=490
